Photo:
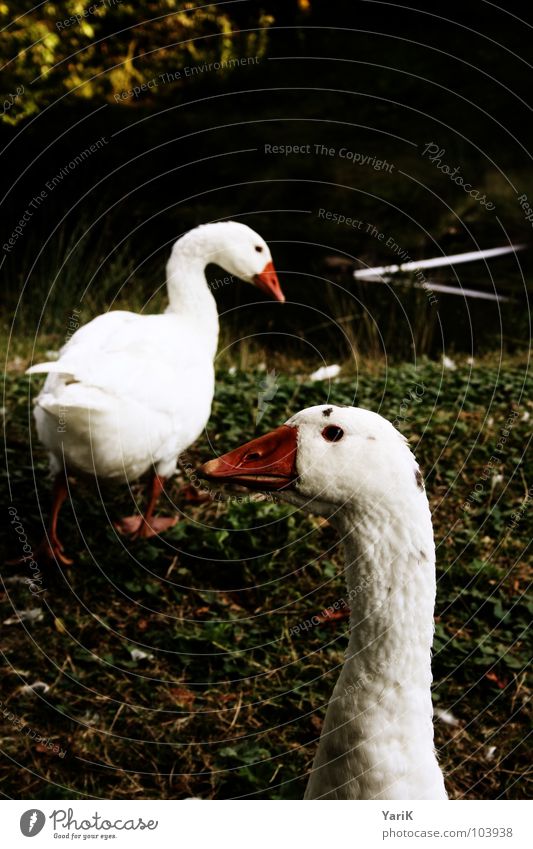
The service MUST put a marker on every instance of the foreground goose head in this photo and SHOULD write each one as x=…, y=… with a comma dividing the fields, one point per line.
x=340, y=462
x=351, y=466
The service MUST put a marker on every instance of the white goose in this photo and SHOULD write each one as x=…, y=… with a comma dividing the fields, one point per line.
x=351, y=466
x=131, y=392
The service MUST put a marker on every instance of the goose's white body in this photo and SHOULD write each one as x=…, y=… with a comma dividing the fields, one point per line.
x=377, y=737
x=352, y=467
x=130, y=392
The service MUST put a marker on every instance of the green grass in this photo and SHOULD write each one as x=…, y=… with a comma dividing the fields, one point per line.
x=227, y=703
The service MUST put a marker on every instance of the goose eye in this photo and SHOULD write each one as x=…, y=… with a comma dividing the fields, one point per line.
x=259, y=249
x=333, y=433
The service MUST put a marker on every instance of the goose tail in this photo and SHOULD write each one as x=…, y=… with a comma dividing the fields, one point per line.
x=50, y=368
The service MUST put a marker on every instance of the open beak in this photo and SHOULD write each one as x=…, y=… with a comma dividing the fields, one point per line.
x=267, y=463
x=268, y=282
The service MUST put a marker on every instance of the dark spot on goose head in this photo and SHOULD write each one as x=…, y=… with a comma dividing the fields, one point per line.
x=327, y=412
x=419, y=479
x=372, y=438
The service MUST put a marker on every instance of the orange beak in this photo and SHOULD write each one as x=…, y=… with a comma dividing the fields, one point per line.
x=268, y=282
x=267, y=463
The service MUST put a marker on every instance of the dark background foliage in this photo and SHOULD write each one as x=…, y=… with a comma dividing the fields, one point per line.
x=378, y=80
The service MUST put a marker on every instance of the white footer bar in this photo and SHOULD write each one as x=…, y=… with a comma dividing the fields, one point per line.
x=267, y=825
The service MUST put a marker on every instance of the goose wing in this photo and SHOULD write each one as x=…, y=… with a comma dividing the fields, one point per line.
x=153, y=360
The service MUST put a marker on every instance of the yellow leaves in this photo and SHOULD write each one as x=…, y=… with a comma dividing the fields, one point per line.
x=75, y=81
x=57, y=47
x=256, y=42
x=47, y=50
x=126, y=74
x=87, y=29
x=59, y=625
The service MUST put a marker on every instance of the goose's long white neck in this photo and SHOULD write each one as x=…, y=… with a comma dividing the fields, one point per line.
x=188, y=291
x=377, y=740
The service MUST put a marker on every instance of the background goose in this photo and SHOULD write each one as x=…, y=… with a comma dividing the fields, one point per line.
x=351, y=466
x=130, y=392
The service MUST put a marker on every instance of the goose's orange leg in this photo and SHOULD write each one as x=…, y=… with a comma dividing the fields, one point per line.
x=143, y=527
x=50, y=547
